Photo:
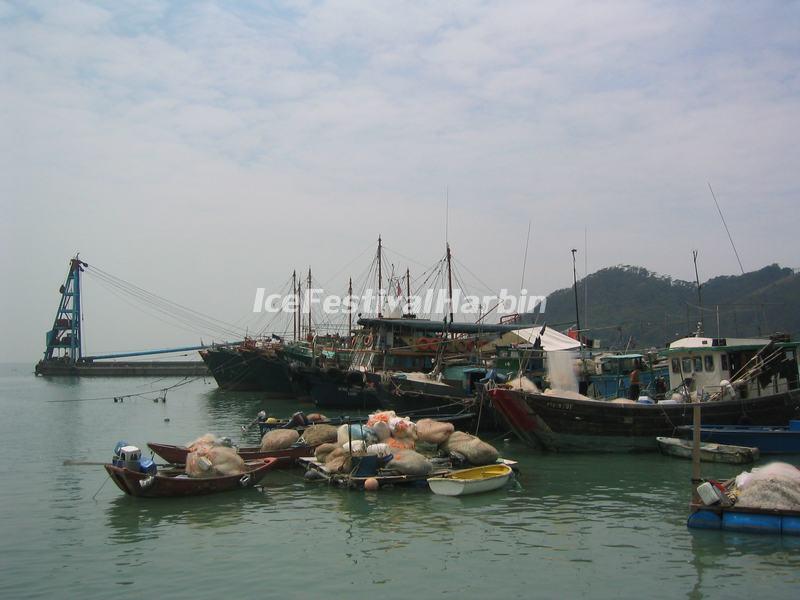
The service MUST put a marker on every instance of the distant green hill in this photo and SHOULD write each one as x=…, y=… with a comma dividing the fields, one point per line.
x=633, y=307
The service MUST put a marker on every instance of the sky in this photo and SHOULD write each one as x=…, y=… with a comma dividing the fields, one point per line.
x=202, y=150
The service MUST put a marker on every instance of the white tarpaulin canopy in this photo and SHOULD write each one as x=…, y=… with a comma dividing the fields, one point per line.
x=551, y=339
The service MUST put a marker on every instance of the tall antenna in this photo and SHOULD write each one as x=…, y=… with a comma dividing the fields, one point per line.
x=699, y=293
x=446, y=213
x=525, y=257
x=713, y=195
x=586, y=278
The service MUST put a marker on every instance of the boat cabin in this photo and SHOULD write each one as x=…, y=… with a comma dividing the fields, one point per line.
x=754, y=367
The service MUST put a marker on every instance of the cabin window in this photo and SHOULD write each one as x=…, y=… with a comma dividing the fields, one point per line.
x=676, y=365
x=709, y=362
x=686, y=365
x=698, y=364
x=724, y=361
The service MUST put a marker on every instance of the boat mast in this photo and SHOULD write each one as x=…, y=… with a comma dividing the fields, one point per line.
x=294, y=313
x=699, y=293
x=350, y=312
x=308, y=287
x=299, y=310
x=575, y=286
x=449, y=283
x=380, y=281
x=408, y=290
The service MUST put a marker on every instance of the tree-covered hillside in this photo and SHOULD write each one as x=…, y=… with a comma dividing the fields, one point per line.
x=633, y=307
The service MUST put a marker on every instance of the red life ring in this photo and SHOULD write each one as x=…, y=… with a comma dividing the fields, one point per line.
x=368, y=341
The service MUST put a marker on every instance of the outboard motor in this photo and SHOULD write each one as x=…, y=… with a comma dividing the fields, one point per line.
x=130, y=457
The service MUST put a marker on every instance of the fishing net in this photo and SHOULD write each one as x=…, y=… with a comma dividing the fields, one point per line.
x=319, y=434
x=433, y=432
x=323, y=450
x=475, y=450
x=214, y=461
x=410, y=463
x=279, y=439
x=772, y=493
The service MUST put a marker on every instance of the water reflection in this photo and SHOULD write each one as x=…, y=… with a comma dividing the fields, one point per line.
x=133, y=520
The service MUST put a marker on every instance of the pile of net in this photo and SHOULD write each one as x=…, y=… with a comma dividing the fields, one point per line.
x=315, y=435
x=207, y=441
x=214, y=461
x=394, y=439
x=473, y=449
x=774, y=486
x=279, y=439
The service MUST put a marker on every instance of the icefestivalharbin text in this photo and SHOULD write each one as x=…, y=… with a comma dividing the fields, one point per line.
x=373, y=302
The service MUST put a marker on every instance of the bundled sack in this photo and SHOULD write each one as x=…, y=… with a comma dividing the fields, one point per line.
x=400, y=444
x=214, y=462
x=338, y=461
x=206, y=441
x=380, y=450
x=198, y=466
x=382, y=430
x=279, y=439
x=475, y=450
x=355, y=447
x=320, y=434
x=316, y=417
x=226, y=461
x=410, y=463
x=323, y=450
x=382, y=416
x=356, y=432
x=433, y=432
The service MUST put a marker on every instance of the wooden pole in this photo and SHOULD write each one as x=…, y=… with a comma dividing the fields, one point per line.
x=294, y=313
x=696, y=437
x=380, y=281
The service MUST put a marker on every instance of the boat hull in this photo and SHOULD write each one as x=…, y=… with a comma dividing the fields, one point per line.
x=714, y=453
x=249, y=370
x=285, y=459
x=471, y=481
x=769, y=440
x=565, y=424
x=172, y=485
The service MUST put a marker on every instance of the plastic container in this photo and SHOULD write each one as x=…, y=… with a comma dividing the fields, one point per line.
x=708, y=493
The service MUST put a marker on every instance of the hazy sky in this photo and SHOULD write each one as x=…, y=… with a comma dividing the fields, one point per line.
x=202, y=150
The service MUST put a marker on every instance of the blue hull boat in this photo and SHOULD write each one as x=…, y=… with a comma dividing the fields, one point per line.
x=768, y=439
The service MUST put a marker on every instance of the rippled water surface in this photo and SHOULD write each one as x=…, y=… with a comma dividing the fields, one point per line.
x=571, y=526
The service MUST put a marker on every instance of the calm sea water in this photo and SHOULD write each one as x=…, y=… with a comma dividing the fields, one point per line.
x=572, y=526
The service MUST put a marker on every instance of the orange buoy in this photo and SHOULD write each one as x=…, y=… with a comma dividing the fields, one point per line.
x=371, y=485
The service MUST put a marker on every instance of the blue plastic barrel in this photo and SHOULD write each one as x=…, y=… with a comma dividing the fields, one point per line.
x=790, y=525
x=704, y=519
x=751, y=522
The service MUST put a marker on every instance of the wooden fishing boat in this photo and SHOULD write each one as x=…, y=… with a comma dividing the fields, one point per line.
x=284, y=458
x=470, y=481
x=168, y=483
x=765, y=394
x=718, y=453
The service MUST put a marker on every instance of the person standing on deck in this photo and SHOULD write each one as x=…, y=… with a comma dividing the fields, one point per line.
x=634, y=389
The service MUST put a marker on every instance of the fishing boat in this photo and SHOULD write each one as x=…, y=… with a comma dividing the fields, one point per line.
x=471, y=481
x=168, y=483
x=718, y=453
x=756, y=380
x=285, y=459
x=768, y=439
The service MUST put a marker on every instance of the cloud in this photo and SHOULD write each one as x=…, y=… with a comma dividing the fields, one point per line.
x=249, y=139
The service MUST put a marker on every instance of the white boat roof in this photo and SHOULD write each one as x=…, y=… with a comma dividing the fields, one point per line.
x=551, y=339
x=694, y=343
